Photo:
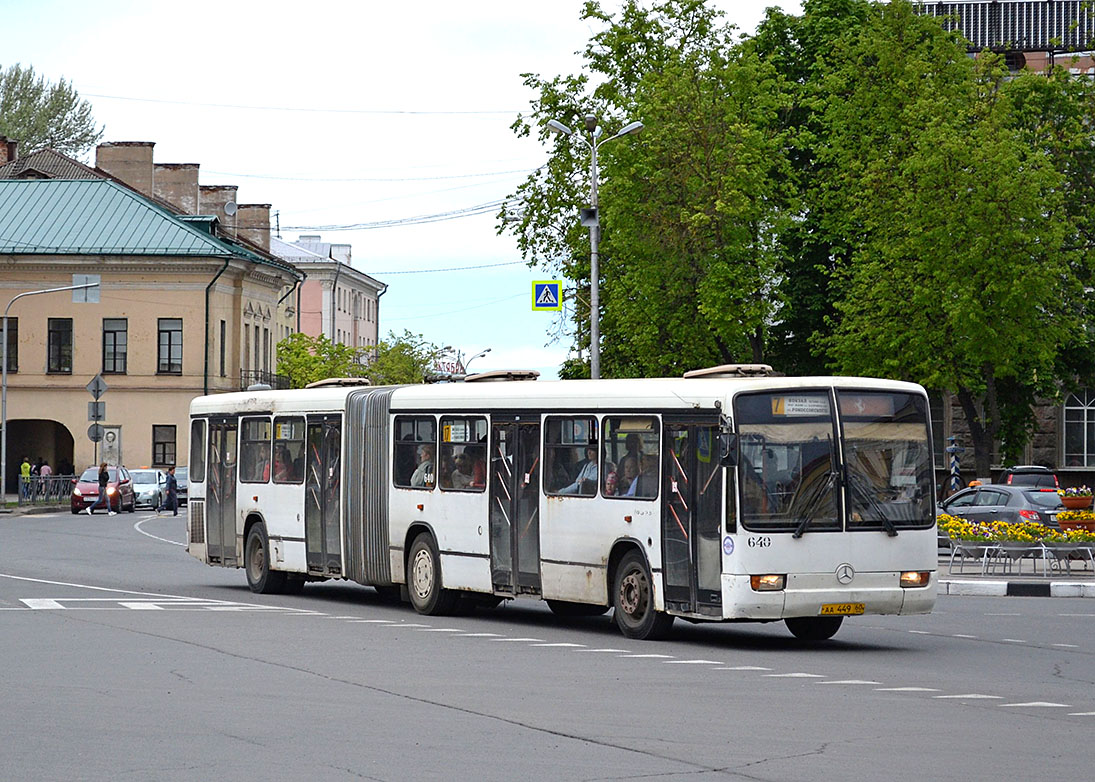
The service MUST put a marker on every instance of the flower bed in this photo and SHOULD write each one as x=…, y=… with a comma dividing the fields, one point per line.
x=1027, y=532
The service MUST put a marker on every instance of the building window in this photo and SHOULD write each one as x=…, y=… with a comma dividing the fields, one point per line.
x=163, y=445
x=1080, y=429
x=224, y=334
x=13, y=344
x=115, y=337
x=170, y=355
x=60, y=345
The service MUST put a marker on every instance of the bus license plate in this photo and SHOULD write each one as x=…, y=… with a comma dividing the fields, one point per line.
x=841, y=609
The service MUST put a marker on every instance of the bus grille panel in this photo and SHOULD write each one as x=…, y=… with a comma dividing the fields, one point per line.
x=196, y=512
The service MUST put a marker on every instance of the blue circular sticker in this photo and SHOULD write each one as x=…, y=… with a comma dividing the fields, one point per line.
x=728, y=545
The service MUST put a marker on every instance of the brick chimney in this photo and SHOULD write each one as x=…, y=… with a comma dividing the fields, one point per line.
x=177, y=183
x=253, y=224
x=212, y=200
x=8, y=150
x=129, y=161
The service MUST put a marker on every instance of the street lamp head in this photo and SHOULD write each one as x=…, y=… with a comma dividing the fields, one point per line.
x=629, y=128
x=558, y=127
x=591, y=122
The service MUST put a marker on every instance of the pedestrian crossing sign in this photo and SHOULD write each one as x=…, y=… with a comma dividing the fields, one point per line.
x=547, y=295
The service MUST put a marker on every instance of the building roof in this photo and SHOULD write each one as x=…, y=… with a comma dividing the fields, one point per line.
x=98, y=217
x=48, y=164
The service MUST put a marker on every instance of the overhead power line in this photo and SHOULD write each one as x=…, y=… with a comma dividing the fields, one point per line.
x=455, y=214
x=295, y=108
x=449, y=269
x=375, y=179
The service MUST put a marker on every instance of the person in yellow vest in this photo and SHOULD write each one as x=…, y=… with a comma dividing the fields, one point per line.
x=24, y=477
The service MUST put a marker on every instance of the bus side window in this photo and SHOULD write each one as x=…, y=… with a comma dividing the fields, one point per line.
x=411, y=432
x=632, y=448
x=255, y=450
x=460, y=461
x=197, y=450
x=570, y=457
x=288, y=450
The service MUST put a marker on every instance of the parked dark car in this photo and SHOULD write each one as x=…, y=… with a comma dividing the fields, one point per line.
x=1031, y=475
x=119, y=490
x=1000, y=502
x=182, y=475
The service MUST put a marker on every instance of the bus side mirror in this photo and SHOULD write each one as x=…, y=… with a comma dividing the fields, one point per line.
x=728, y=449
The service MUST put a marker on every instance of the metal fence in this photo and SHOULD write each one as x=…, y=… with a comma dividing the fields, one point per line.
x=45, y=490
x=250, y=377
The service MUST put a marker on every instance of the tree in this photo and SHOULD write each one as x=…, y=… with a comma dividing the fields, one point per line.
x=406, y=358
x=38, y=114
x=959, y=275
x=689, y=210
x=304, y=359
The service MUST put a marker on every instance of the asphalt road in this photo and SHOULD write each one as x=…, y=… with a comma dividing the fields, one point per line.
x=125, y=659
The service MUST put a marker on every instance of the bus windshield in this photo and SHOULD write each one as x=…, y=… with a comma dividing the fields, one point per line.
x=788, y=461
x=887, y=460
x=793, y=473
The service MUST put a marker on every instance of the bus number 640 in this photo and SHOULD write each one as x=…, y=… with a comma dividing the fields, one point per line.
x=762, y=541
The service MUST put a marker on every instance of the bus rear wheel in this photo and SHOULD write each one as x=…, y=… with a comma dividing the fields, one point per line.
x=633, y=601
x=256, y=557
x=424, y=579
x=814, y=628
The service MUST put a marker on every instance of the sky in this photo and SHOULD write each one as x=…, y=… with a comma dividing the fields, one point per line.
x=347, y=113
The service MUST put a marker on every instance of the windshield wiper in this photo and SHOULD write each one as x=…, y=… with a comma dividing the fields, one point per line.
x=807, y=511
x=864, y=490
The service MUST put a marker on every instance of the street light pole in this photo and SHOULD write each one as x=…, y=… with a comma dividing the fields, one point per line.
x=4, y=383
x=480, y=354
x=591, y=218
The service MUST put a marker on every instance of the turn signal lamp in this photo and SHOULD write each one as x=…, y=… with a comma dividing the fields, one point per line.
x=915, y=578
x=1029, y=515
x=768, y=583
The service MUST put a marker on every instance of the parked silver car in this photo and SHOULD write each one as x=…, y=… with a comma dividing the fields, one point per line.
x=182, y=475
x=150, y=487
x=1000, y=502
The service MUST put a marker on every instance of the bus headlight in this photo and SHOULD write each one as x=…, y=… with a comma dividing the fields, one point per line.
x=915, y=578
x=768, y=583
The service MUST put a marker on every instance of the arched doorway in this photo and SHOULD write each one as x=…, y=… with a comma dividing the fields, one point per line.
x=37, y=439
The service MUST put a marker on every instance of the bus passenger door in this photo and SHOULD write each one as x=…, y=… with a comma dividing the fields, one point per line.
x=220, y=493
x=515, y=506
x=692, y=489
x=322, y=489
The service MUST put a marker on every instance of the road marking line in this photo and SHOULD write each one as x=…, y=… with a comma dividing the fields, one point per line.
x=961, y=635
x=971, y=695
x=559, y=644
x=648, y=656
x=1039, y=704
x=920, y=632
x=140, y=606
x=480, y=635
x=693, y=662
x=794, y=676
x=907, y=689
x=376, y=621
x=441, y=630
x=408, y=624
x=40, y=603
x=600, y=650
x=1014, y=640
x=1082, y=714
x=1066, y=646
x=850, y=681
x=513, y=640
x=744, y=668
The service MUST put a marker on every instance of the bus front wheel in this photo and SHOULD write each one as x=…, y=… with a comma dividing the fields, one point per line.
x=256, y=557
x=424, y=579
x=814, y=628
x=633, y=601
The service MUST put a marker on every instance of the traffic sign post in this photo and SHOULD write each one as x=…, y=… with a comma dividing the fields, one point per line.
x=96, y=411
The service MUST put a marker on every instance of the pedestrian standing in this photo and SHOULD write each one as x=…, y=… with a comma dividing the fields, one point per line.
x=172, y=486
x=24, y=477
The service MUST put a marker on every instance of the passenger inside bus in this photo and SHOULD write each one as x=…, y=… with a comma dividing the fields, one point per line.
x=626, y=481
x=283, y=465
x=585, y=474
x=646, y=485
x=423, y=474
x=461, y=475
x=478, y=467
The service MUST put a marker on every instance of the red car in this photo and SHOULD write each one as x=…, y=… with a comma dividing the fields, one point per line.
x=119, y=491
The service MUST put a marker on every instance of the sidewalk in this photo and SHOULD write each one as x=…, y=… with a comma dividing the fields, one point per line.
x=970, y=581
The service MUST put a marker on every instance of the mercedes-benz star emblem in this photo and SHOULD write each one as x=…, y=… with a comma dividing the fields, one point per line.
x=845, y=573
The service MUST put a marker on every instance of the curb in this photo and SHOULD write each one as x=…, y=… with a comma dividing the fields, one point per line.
x=1017, y=588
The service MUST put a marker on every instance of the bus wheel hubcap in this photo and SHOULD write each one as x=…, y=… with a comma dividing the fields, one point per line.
x=423, y=574
x=631, y=594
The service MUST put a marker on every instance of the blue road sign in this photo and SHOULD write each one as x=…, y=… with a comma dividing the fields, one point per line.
x=547, y=295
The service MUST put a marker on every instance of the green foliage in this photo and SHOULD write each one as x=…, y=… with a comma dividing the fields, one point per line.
x=38, y=114
x=402, y=359
x=305, y=359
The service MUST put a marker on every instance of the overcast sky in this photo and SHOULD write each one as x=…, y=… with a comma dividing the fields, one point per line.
x=342, y=113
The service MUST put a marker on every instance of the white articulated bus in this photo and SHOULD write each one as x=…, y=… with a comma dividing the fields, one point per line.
x=729, y=494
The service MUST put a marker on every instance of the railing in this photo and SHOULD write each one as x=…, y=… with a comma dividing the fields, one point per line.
x=249, y=377
x=45, y=490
